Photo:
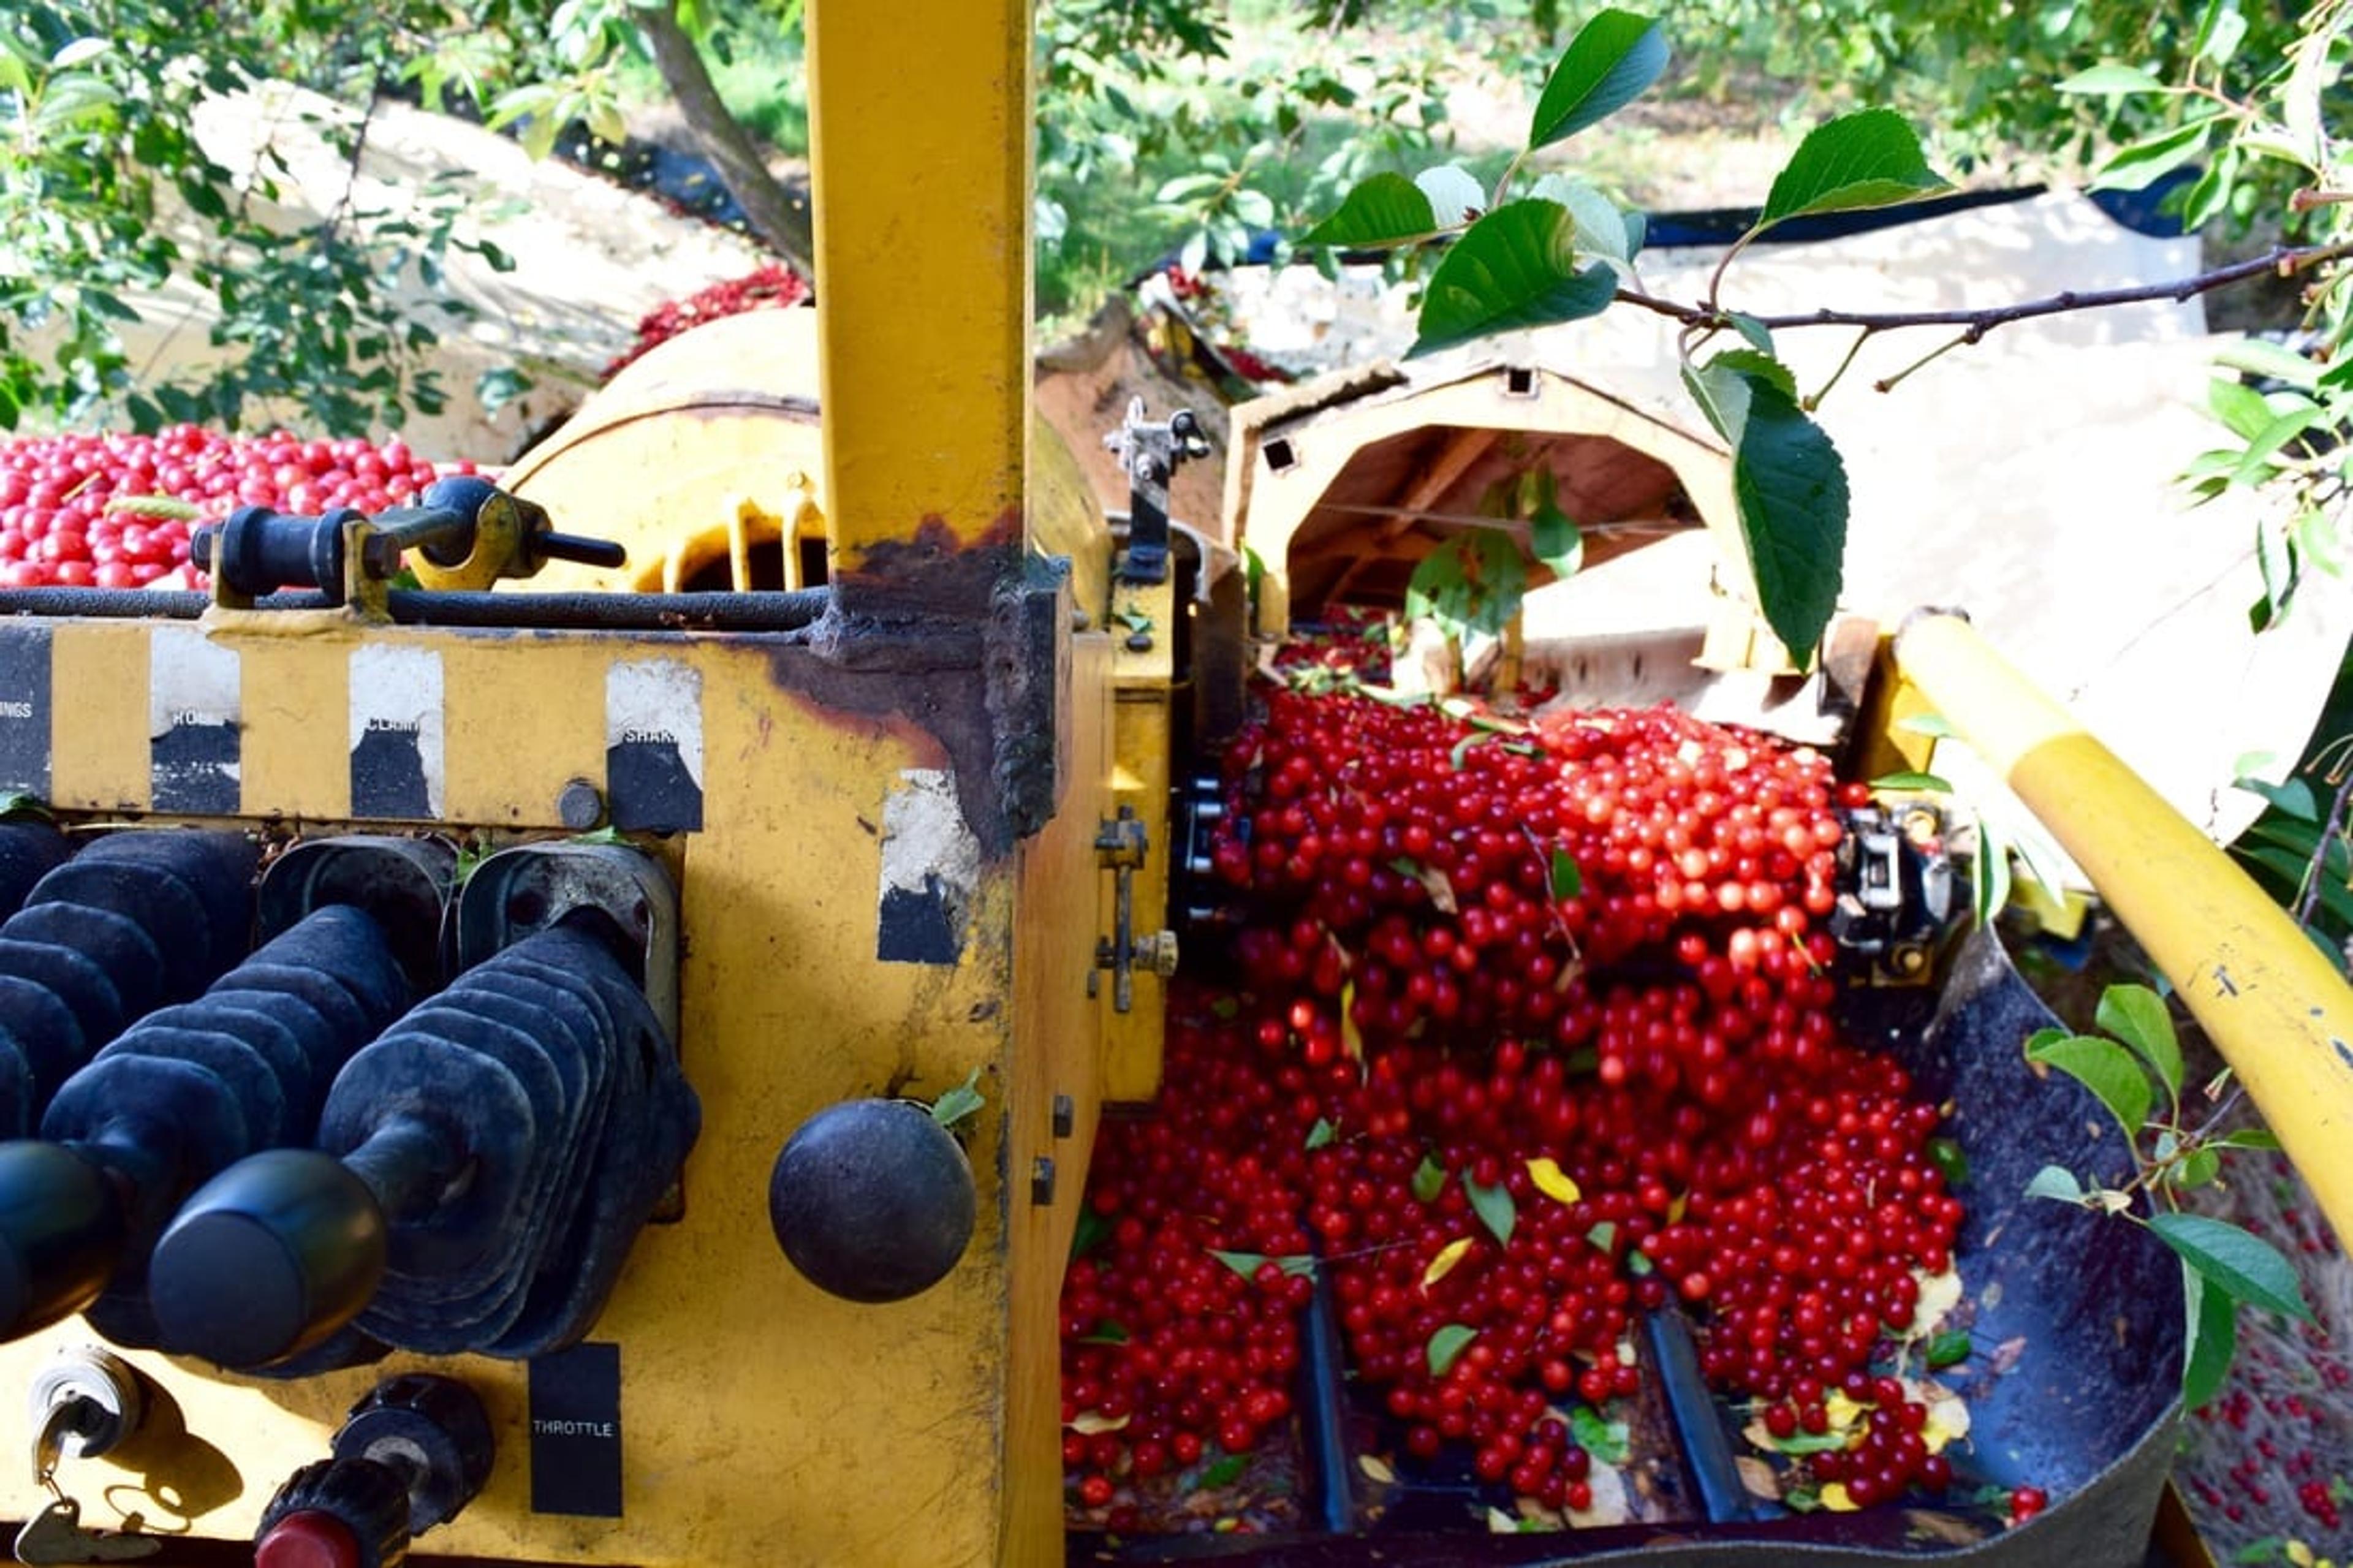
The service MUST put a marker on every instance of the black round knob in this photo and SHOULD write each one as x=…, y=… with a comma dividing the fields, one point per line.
x=434, y=1431
x=872, y=1200
x=62, y=1228
x=464, y=495
x=270, y=1257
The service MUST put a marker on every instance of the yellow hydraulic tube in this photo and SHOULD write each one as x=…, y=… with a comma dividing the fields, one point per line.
x=2271, y=1003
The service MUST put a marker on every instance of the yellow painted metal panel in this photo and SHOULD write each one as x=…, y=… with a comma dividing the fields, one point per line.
x=2273, y=1003
x=297, y=744
x=919, y=153
x=98, y=674
x=740, y=1379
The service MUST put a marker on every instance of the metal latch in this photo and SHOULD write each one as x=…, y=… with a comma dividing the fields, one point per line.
x=1148, y=454
x=1121, y=846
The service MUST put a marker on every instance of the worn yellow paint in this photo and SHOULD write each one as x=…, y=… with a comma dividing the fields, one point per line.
x=295, y=752
x=1056, y=1024
x=2273, y=1005
x=98, y=740
x=921, y=177
x=1142, y=738
x=765, y=1422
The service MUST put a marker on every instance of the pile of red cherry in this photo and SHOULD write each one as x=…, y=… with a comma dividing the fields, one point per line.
x=1531, y=1033
x=115, y=510
x=771, y=286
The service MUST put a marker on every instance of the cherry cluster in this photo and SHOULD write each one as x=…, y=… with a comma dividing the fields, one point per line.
x=1534, y=1035
x=770, y=287
x=115, y=510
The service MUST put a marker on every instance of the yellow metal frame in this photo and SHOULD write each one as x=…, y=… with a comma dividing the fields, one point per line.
x=2275, y=1008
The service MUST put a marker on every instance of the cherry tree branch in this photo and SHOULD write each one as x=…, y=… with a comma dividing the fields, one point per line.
x=2284, y=261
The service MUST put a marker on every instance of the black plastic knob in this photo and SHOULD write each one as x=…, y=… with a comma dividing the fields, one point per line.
x=872, y=1200
x=435, y=1432
x=62, y=1226
x=267, y=1259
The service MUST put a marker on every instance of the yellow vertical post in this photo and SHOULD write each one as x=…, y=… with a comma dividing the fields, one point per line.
x=920, y=172
x=2273, y=1005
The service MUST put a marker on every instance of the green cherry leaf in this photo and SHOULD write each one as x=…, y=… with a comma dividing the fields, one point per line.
x=1516, y=266
x=2211, y=1338
x=2137, y=1016
x=1868, y=159
x=1446, y=1346
x=1609, y=63
x=1385, y=210
x=2106, y=1070
x=2247, y=1267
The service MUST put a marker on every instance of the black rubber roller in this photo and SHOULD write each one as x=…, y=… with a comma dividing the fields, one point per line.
x=117, y=943
x=159, y=901
x=219, y=867
x=28, y=851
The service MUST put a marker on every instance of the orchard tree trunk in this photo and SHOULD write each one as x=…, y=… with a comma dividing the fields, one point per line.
x=781, y=222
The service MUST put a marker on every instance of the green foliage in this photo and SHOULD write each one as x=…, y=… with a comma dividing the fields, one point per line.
x=1563, y=251
x=2224, y=1266
x=107, y=196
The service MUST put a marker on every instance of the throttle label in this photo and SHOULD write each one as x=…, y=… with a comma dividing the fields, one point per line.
x=653, y=745
x=194, y=709
x=575, y=1432
x=397, y=744
x=25, y=709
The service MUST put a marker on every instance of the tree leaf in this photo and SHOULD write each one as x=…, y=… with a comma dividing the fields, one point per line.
x=2249, y=1267
x=1454, y=197
x=1912, y=780
x=1607, y=1441
x=1946, y=1154
x=1798, y=1443
x=1091, y=1424
x=1791, y=491
x=2249, y=1138
x=2112, y=81
x=1323, y=1132
x=1868, y=159
x=1516, y=266
x=1568, y=881
x=2055, y=1181
x=2137, y=1016
x=2106, y=1070
x=1106, y=1332
x=1552, y=1180
x=1949, y=1348
x=1471, y=583
x=1614, y=57
x=2135, y=165
x=1447, y=1344
x=1387, y=209
x=1444, y=1264
x=1554, y=539
x=2211, y=1335
x=959, y=1102
x=1429, y=1180
x=2198, y=1167
x=1493, y=1206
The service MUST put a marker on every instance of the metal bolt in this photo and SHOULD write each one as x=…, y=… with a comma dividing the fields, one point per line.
x=1139, y=642
x=1066, y=1116
x=1156, y=951
x=380, y=556
x=579, y=806
x=1041, y=1180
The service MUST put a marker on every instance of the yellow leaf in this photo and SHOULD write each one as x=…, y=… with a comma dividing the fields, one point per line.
x=1939, y=1294
x=1834, y=1497
x=1090, y=1423
x=2300, y=1554
x=1373, y=1466
x=1842, y=1411
x=1444, y=1264
x=1676, y=1207
x=1552, y=1180
x=1350, y=1040
x=1501, y=1523
x=1758, y=1476
x=1947, y=1423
